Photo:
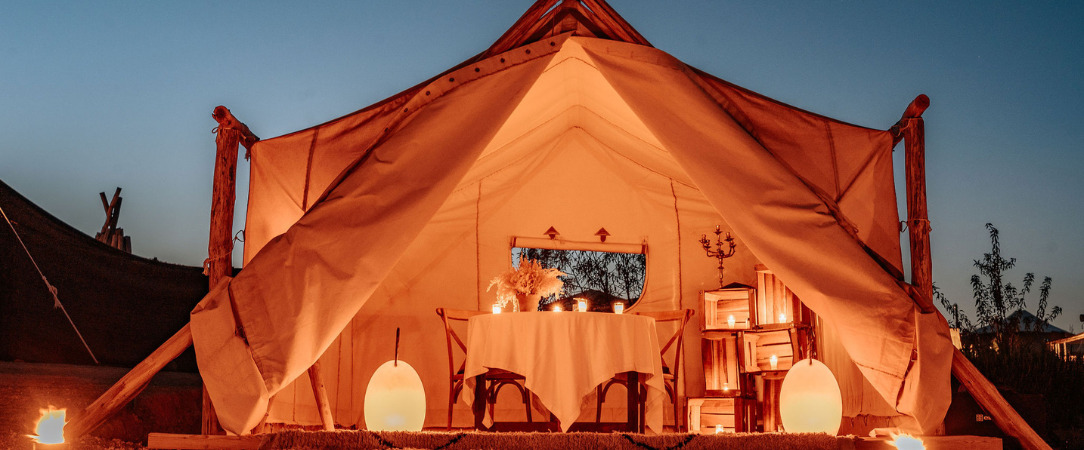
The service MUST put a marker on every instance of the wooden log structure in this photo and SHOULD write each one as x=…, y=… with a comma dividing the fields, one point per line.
x=110, y=234
x=911, y=130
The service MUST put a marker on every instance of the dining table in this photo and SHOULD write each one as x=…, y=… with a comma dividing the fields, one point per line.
x=563, y=356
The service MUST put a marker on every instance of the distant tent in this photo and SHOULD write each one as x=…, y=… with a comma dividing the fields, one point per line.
x=123, y=305
x=1024, y=322
x=572, y=120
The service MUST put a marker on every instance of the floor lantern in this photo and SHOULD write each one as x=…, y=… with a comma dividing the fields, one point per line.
x=810, y=400
x=395, y=398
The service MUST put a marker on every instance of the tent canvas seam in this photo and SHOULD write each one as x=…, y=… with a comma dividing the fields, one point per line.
x=834, y=157
x=308, y=169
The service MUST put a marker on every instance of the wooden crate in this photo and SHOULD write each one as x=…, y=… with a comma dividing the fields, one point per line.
x=707, y=412
x=774, y=301
x=719, y=351
x=721, y=304
x=759, y=346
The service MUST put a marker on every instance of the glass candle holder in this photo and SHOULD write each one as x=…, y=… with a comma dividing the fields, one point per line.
x=619, y=307
x=774, y=362
x=581, y=305
x=496, y=309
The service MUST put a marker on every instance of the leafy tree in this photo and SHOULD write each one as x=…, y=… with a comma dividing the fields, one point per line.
x=617, y=274
x=996, y=300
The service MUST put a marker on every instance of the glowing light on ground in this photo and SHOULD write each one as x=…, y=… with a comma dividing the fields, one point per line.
x=395, y=399
x=50, y=428
x=907, y=442
x=810, y=400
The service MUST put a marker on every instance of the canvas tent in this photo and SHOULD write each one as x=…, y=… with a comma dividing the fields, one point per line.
x=571, y=120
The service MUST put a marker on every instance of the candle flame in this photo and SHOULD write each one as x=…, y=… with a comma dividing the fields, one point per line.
x=907, y=442
x=50, y=428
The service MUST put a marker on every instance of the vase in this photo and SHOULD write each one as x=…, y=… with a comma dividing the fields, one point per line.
x=528, y=302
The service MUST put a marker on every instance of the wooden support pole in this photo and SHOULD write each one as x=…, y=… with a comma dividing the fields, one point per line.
x=219, y=264
x=918, y=223
x=322, y=402
x=985, y=394
x=129, y=386
x=911, y=129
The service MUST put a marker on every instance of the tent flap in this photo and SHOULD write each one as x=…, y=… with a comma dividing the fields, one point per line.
x=305, y=285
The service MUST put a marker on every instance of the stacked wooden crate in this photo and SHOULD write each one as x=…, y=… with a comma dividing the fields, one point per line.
x=751, y=337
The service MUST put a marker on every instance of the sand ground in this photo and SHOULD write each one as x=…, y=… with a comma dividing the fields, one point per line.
x=171, y=404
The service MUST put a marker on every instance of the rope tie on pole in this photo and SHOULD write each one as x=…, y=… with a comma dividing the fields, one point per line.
x=52, y=289
x=913, y=223
x=237, y=237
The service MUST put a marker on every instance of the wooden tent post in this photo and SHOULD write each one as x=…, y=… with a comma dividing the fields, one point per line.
x=219, y=265
x=918, y=222
x=911, y=129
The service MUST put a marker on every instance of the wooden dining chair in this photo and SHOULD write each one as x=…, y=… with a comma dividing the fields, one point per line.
x=671, y=354
x=495, y=378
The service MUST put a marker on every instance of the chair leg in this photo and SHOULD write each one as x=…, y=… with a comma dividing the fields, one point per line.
x=601, y=397
x=598, y=404
x=451, y=403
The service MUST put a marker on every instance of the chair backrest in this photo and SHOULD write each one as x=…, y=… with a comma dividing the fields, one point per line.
x=679, y=317
x=450, y=316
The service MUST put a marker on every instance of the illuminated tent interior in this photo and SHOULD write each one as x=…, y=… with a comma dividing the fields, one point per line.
x=571, y=120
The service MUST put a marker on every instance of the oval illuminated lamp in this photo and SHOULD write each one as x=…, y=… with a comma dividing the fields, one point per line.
x=395, y=397
x=810, y=400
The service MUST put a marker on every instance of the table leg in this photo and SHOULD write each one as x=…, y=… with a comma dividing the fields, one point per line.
x=479, y=405
x=634, y=402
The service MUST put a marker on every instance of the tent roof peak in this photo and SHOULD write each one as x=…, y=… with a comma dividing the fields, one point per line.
x=545, y=18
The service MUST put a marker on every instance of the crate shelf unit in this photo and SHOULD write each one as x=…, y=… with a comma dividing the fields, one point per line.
x=744, y=328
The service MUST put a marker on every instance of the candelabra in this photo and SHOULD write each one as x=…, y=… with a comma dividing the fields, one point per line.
x=719, y=252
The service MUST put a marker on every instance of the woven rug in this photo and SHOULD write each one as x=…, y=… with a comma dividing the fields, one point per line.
x=563, y=441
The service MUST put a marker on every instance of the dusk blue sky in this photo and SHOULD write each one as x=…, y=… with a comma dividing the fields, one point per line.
x=95, y=95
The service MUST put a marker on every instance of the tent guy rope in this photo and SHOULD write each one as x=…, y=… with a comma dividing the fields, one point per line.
x=52, y=289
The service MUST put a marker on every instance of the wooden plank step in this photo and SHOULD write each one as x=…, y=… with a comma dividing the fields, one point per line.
x=200, y=441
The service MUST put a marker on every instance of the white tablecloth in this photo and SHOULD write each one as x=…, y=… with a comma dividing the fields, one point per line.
x=565, y=355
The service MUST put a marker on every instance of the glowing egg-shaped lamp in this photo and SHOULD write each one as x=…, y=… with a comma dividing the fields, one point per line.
x=395, y=399
x=809, y=400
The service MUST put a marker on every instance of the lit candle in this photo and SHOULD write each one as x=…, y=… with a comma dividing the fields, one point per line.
x=557, y=308
x=718, y=429
x=730, y=321
x=619, y=307
x=726, y=387
x=581, y=305
x=496, y=309
x=782, y=317
x=773, y=362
